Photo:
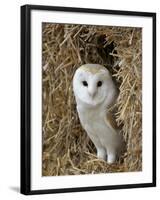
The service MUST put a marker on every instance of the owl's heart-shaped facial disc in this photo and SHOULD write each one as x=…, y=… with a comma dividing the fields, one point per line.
x=92, y=84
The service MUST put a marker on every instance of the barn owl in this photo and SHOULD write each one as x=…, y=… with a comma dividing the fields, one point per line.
x=95, y=92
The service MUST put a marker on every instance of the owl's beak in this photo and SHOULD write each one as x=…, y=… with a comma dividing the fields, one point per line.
x=92, y=94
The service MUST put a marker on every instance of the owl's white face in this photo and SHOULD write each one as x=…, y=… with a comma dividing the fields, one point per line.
x=92, y=84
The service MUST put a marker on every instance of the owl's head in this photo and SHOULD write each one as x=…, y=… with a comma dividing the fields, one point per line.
x=93, y=85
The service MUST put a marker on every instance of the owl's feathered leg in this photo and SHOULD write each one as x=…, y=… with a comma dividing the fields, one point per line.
x=111, y=156
x=101, y=153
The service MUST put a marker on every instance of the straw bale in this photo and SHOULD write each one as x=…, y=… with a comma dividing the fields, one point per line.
x=67, y=150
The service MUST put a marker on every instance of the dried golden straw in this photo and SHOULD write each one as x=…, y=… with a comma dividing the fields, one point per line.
x=67, y=150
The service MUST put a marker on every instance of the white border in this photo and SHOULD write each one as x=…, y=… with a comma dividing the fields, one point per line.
x=42, y=183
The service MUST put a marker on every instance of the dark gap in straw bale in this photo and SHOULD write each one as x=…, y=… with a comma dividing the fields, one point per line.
x=67, y=150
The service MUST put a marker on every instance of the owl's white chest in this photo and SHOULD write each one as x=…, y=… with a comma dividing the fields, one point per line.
x=93, y=121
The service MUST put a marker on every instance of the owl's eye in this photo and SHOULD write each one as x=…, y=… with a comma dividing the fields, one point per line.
x=99, y=83
x=85, y=83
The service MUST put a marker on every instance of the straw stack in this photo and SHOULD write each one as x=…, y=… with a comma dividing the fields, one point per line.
x=67, y=150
